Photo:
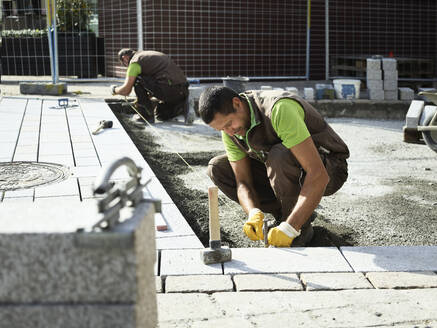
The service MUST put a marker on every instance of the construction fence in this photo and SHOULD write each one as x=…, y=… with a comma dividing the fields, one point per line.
x=211, y=39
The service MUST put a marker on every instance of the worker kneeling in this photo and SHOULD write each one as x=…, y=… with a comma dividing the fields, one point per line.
x=281, y=158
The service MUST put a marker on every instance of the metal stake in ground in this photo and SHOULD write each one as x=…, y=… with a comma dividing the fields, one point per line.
x=215, y=253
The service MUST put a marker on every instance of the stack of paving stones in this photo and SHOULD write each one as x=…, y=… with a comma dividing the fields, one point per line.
x=406, y=94
x=374, y=79
x=389, y=66
x=51, y=275
x=308, y=94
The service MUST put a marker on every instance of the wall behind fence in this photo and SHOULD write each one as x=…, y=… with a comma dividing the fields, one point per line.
x=404, y=29
x=118, y=27
x=215, y=38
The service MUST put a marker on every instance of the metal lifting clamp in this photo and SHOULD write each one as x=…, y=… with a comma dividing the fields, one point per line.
x=119, y=195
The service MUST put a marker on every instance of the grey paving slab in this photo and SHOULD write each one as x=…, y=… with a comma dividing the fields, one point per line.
x=335, y=281
x=158, y=284
x=20, y=200
x=8, y=136
x=19, y=193
x=87, y=161
x=199, y=284
x=179, y=242
x=25, y=157
x=154, y=189
x=68, y=316
x=286, y=260
x=185, y=262
x=67, y=187
x=7, y=149
x=58, y=148
x=86, y=171
x=43, y=217
x=391, y=258
x=267, y=282
x=393, y=280
x=26, y=149
x=348, y=308
x=66, y=160
x=186, y=308
x=177, y=225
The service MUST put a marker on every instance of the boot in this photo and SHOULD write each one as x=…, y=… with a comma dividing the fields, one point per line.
x=145, y=112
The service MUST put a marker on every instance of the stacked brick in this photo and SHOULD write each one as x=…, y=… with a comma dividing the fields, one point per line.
x=390, y=78
x=374, y=79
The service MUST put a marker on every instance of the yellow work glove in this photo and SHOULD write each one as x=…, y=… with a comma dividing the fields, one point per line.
x=282, y=235
x=253, y=227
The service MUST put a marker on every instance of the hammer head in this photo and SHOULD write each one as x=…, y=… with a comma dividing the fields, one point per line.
x=106, y=124
x=216, y=255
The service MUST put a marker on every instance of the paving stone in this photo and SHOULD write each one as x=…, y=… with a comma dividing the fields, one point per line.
x=374, y=84
x=286, y=260
x=414, y=113
x=376, y=94
x=334, y=281
x=176, y=223
x=158, y=283
x=389, y=64
x=393, y=280
x=391, y=76
x=68, y=316
x=67, y=187
x=267, y=282
x=391, y=258
x=179, y=242
x=19, y=193
x=186, y=262
x=391, y=94
x=406, y=93
x=373, y=64
x=186, y=308
x=374, y=74
x=41, y=88
x=346, y=308
x=199, y=284
x=308, y=93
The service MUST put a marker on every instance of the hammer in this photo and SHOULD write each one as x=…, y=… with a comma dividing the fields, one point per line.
x=103, y=125
x=215, y=253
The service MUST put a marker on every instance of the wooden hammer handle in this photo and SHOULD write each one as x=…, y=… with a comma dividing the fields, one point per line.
x=214, y=225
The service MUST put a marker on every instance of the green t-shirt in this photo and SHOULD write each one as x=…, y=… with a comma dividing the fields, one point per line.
x=288, y=122
x=134, y=69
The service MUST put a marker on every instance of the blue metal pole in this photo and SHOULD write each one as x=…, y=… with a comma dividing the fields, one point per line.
x=51, y=34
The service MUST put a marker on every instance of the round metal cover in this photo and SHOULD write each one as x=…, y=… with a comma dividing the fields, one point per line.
x=24, y=175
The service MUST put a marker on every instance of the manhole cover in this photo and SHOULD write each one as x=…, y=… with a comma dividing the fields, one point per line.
x=23, y=175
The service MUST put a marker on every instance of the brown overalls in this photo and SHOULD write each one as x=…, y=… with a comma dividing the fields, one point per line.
x=163, y=79
x=277, y=175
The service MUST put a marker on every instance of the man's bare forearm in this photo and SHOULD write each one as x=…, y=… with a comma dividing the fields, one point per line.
x=247, y=197
x=309, y=197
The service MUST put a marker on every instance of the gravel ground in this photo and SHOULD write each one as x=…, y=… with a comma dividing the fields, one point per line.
x=390, y=197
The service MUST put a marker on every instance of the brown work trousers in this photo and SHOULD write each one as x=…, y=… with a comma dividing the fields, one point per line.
x=278, y=181
x=172, y=98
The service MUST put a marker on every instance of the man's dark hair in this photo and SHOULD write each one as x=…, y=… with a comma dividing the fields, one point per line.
x=214, y=100
x=126, y=51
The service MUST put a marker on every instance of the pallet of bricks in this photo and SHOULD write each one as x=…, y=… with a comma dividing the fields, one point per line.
x=382, y=80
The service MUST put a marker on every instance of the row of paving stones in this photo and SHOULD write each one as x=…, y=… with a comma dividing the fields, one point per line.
x=295, y=282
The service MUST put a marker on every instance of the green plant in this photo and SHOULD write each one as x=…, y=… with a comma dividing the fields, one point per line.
x=27, y=33
x=73, y=15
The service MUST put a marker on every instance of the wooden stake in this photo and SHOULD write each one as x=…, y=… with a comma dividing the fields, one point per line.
x=214, y=225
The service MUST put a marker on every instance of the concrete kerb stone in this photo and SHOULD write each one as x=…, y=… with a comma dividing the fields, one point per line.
x=41, y=88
